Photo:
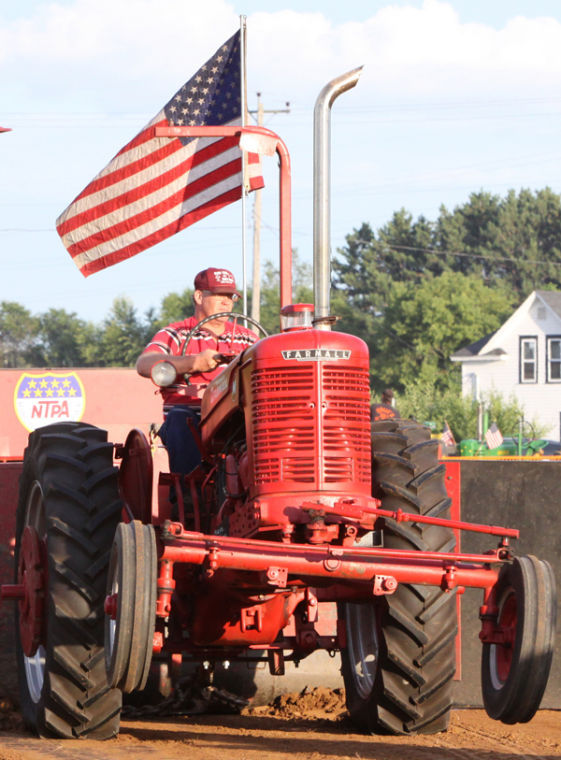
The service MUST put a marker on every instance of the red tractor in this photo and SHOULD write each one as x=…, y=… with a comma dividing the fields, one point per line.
x=298, y=501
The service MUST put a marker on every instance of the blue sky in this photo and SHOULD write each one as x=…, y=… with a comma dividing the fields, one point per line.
x=455, y=97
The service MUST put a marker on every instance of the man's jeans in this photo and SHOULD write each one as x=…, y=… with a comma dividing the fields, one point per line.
x=176, y=435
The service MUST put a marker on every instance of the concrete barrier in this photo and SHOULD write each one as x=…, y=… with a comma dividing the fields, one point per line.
x=521, y=494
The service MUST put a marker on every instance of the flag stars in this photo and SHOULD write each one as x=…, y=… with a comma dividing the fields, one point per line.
x=210, y=96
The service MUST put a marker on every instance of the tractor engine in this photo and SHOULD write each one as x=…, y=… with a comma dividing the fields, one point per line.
x=300, y=402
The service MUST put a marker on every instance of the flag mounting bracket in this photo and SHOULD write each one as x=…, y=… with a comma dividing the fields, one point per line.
x=258, y=140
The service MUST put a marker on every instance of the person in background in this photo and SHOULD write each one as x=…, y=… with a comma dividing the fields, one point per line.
x=385, y=410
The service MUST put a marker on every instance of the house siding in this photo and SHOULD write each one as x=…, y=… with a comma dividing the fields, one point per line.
x=541, y=400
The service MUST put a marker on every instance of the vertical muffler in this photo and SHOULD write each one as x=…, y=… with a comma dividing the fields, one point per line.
x=322, y=149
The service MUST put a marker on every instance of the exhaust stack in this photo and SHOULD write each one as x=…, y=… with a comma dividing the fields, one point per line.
x=322, y=243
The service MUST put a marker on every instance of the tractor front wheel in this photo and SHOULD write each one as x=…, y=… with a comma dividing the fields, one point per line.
x=67, y=514
x=399, y=661
x=132, y=588
x=515, y=669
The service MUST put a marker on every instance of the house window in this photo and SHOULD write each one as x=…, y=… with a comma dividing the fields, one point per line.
x=529, y=360
x=554, y=359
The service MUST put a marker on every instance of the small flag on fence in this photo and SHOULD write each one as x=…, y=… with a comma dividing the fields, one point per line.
x=447, y=439
x=493, y=437
x=156, y=186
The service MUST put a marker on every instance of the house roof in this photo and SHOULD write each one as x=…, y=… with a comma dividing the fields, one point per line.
x=474, y=348
x=489, y=346
x=551, y=298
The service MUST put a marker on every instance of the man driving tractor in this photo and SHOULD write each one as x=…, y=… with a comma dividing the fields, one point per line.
x=197, y=360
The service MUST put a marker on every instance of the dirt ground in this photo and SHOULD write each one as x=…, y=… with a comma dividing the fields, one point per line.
x=310, y=726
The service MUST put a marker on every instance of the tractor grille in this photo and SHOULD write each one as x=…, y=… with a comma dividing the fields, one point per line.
x=311, y=424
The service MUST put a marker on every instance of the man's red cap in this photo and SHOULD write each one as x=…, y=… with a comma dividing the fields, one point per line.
x=216, y=281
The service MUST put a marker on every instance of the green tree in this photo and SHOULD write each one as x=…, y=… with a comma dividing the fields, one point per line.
x=423, y=401
x=124, y=336
x=18, y=334
x=61, y=340
x=270, y=290
x=175, y=307
x=423, y=324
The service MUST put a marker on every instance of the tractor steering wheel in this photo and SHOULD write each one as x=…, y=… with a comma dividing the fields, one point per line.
x=224, y=358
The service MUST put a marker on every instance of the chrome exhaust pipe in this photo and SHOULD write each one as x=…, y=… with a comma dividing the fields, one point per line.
x=322, y=242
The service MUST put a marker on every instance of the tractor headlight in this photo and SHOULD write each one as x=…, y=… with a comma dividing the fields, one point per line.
x=163, y=373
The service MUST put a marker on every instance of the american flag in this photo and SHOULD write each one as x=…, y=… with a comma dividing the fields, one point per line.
x=493, y=437
x=157, y=186
x=447, y=437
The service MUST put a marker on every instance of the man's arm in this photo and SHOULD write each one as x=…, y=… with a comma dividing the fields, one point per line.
x=184, y=365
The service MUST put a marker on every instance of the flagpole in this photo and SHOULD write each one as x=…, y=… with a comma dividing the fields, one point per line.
x=244, y=108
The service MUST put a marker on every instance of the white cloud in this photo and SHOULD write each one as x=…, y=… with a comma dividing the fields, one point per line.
x=109, y=54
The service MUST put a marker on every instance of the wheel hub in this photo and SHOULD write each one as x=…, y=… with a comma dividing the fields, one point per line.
x=31, y=575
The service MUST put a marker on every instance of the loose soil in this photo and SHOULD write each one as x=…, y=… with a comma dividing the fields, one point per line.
x=312, y=725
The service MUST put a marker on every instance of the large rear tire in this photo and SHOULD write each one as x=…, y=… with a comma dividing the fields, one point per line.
x=399, y=663
x=69, y=499
x=514, y=672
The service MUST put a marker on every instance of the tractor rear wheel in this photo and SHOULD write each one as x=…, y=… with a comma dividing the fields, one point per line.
x=514, y=672
x=399, y=663
x=69, y=508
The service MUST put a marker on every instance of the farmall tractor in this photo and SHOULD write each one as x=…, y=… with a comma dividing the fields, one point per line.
x=298, y=501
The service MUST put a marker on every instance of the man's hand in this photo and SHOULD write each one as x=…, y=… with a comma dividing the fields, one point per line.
x=206, y=361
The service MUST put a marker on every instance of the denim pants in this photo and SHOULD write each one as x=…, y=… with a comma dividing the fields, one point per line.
x=176, y=435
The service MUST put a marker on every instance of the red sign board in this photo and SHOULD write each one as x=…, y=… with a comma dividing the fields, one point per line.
x=113, y=399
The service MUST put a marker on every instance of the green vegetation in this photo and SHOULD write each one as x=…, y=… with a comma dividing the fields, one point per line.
x=423, y=401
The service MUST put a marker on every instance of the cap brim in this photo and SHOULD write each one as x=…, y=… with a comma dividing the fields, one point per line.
x=226, y=292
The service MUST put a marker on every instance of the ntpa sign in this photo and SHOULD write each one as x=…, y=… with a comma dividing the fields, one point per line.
x=43, y=398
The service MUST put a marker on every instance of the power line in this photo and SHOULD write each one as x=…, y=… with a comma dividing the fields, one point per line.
x=467, y=254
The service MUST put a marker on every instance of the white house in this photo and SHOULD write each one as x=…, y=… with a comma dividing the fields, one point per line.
x=521, y=358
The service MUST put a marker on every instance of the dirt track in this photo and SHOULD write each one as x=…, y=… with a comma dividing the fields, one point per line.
x=312, y=727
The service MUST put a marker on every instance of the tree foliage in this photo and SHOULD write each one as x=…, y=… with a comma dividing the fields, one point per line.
x=417, y=291
x=426, y=403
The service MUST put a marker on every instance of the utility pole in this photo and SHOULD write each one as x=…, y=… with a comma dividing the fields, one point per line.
x=256, y=274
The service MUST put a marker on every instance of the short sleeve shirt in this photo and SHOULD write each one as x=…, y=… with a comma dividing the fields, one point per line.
x=383, y=412
x=169, y=341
